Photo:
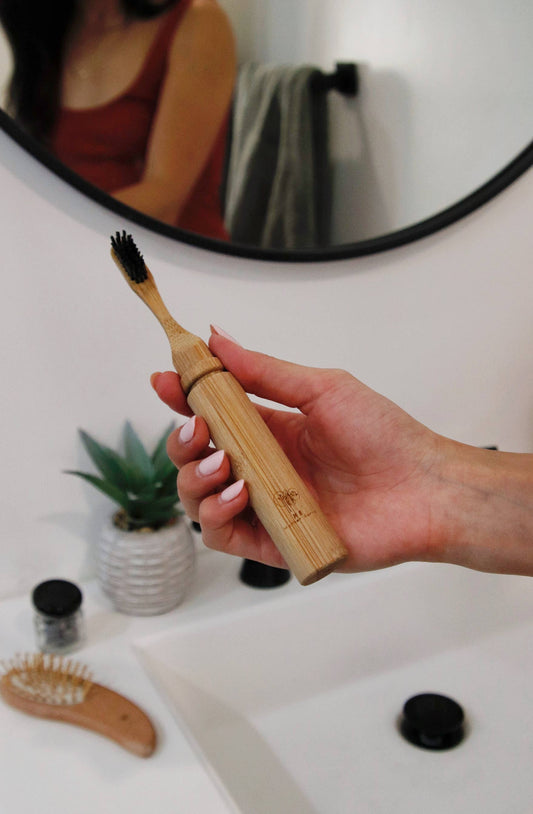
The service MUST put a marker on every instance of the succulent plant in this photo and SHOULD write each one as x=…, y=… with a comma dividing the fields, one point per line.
x=143, y=485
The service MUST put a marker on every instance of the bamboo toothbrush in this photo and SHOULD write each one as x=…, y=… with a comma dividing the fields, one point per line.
x=278, y=495
x=50, y=687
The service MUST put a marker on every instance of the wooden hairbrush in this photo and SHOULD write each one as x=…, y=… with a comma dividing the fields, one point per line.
x=279, y=497
x=50, y=687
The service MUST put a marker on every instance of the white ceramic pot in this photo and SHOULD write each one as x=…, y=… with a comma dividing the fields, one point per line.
x=145, y=573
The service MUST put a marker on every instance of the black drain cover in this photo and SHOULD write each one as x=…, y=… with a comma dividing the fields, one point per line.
x=432, y=721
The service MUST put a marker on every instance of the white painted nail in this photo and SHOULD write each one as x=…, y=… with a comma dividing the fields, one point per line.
x=187, y=430
x=221, y=332
x=211, y=464
x=231, y=492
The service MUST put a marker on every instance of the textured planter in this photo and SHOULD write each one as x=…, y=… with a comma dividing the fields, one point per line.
x=145, y=573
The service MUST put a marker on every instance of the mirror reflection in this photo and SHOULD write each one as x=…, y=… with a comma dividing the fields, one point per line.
x=153, y=137
x=208, y=115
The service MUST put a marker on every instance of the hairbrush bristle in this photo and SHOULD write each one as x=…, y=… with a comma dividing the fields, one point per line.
x=129, y=256
x=47, y=679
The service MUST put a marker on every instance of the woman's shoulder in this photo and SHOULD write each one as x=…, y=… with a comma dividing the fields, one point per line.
x=205, y=26
x=209, y=6
x=202, y=15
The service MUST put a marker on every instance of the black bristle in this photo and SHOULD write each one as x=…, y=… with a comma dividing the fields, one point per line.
x=130, y=257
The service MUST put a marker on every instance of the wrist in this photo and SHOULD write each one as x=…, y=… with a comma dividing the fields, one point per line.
x=482, y=509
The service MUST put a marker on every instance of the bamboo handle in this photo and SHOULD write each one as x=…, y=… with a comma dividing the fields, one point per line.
x=278, y=495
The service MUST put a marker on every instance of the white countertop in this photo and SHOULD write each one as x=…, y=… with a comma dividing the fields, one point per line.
x=466, y=629
x=49, y=766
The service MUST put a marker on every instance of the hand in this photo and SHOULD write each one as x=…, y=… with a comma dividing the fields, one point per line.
x=369, y=464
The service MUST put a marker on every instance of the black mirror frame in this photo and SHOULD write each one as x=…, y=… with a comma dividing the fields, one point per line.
x=517, y=167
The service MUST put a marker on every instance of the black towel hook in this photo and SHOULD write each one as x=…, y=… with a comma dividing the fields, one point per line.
x=345, y=79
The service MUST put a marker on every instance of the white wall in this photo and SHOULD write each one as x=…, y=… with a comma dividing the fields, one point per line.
x=442, y=326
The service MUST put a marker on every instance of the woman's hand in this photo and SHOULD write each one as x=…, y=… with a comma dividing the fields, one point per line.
x=367, y=462
x=393, y=490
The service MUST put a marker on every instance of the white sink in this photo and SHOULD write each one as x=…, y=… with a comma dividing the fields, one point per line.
x=294, y=704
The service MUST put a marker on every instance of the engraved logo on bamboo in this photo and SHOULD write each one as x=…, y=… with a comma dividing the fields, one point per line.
x=288, y=500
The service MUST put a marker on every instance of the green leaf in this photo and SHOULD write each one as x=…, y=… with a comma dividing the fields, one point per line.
x=154, y=523
x=109, y=489
x=106, y=460
x=168, y=479
x=136, y=454
x=146, y=490
x=136, y=481
x=165, y=470
x=144, y=486
x=155, y=518
x=163, y=503
x=160, y=459
x=167, y=475
x=153, y=509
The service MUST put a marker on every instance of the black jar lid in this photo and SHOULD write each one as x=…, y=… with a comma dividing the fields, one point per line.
x=57, y=597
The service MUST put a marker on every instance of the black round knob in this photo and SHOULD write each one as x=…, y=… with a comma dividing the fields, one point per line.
x=258, y=575
x=432, y=721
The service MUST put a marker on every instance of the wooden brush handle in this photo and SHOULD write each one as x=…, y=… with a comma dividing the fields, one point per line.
x=278, y=495
x=102, y=710
x=115, y=717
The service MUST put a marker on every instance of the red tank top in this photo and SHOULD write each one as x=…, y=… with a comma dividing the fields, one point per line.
x=106, y=145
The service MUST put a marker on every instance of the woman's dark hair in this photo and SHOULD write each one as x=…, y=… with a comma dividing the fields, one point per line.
x=37, y=32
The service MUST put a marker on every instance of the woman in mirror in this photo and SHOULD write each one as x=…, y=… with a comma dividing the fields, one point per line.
x=133, y=95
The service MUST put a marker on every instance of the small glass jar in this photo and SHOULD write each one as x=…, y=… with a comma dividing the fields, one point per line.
x=58, y=617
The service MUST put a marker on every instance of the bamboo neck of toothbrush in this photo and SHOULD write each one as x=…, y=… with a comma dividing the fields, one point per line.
x=190, y=355
x=278, y=495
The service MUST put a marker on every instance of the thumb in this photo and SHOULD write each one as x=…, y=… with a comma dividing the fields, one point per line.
x=267, y=377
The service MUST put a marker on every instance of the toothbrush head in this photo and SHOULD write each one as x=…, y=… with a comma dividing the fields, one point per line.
x=131, y=263
x=128, y=257
x=190, y=355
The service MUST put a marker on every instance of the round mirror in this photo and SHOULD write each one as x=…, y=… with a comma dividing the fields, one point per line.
x=438, y=122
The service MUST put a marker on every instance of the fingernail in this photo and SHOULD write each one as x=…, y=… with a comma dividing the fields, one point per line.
x=212, y=464
x=231, y=492
x=187, y=430
x=221, y=332
x=153, y=379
